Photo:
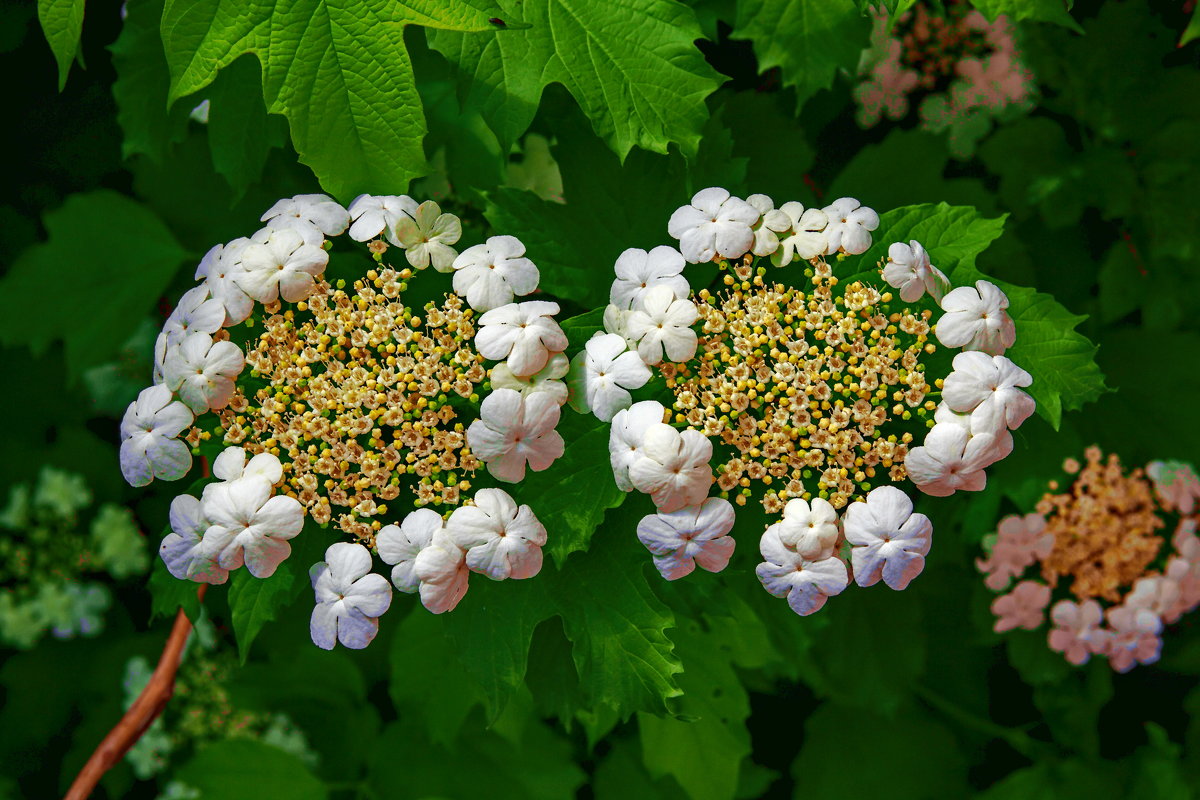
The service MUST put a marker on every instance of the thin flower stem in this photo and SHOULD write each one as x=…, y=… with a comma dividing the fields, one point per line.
x=141, y=715
x=1018, y=740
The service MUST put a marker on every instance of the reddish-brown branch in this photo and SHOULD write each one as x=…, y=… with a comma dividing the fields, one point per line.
x=145, y=709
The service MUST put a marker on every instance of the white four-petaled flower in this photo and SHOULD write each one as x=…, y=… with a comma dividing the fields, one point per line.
x=889, y=540
x=772, y=222
x=349, y=598
x=694, y=535
x=806, y=236
x=809, y=529
x=281, y=263
x=638, y=272
x=149, y=448
x=376, y=214
x=524, y=333
x=249, y=526
x=426, y=237
x=988, y=388
x=181, y=550
x=308, y=210
x=202, y=371
x=908, y=269
x=976, y=319
x=425, y=560
x=806, y=583
x=952, y=458
x=661, y=326
x=626, y=435
x=672, y=467
x=602, y=375
x=850, y=226
x=501, y=539
x=548, y=379
x=220, y=268
x=512, y=430
x=197, y=311
x=490, y=274
x=714, y=224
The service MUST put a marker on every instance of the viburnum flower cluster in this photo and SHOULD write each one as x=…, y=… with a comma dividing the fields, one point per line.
x=320, y=394
x=1115, y=558
x=788, y=386
x=959, y=70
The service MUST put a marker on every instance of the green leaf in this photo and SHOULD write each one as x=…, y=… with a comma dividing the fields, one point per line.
x=107, y=261
x=1073, y=779
x=1192, y=31
x=245, y=769
x=148, y=125
x=632, y=66
x=572, y=496
x=239, y=130
x=712, y=723
x=339, y=71
x=168, y=594
x=1061, y=360
x=253, y=602
x=1056, y=11
x=62, y=23
x=809, y=40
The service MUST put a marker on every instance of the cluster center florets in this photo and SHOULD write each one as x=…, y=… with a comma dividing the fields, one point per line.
x=808, y=391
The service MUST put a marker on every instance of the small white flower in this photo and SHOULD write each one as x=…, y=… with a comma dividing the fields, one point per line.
x=202, y=371
x=806, y=238
x=771, y=223
x=281, y=263
x=850, y=226
x=548, y=379
x=349, y=598
x=693, y=535
x=714, y=224
x=638, y=272
x=512, y=430
x=806, y=584
x=489, y=275
x=249, y=526
x=1002, y=440
x=304, y=210
x=181, y=550
x=375, y=214
x=524, y=333
x=149, y=448
x=672, y=467
x=987, y=387
x=602, y=375
x=626, y=435
x=441, y=568
x=616, y=321
x=220, y=269
x=909, y=270
x=951, y=459
x=399, y=544
x=662, y=326
x=889, y=540
x=810, y=530
x=197, y=311
x=231, y=465
x=501, y=539
x=976, y=319
x=426, y=237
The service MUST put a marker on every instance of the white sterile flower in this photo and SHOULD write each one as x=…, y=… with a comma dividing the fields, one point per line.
x=375, y=214
x=909, y=270
x=693, y=535
x=626, y=435
x=502, y=540
x=426, y=237
x=231, y=465
x=490, y=274
x=281, y=263
x=399, y=545
x=638, y=272
x=987, y=387
x=1002, y=440
x=714, y=224
x=806, y=237
x=889, y=540
x=181, y=550
x=951, y=459
x=602, y=375
x=220, y=269
x=349, y=598
x=806, y=583
x=160, y=359
x=197, y=311
x=249, y=526
x=850, y=226
x=672, y=467
x=202, y=371
x=810, y=530
x=512, y=430
x=548, y=379
x=772, y=222
x=304, y=210
x=976, y=319
x=442, y=570
x=616, y=321
x=524, y=333
x=662, y=326
x=149, y=448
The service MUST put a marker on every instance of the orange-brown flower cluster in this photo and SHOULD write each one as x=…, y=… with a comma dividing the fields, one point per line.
x=1105, y=528
x=355, y=394
x=803, y=386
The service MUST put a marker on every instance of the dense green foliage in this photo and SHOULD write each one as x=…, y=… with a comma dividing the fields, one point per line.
x=579, y=125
